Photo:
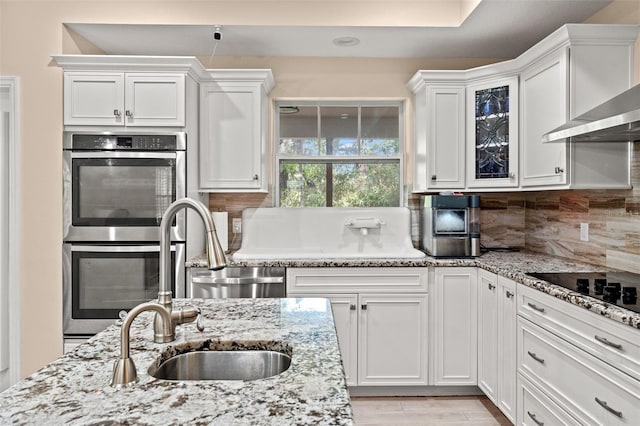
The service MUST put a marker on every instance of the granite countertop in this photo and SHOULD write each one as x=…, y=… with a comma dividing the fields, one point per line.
x=75, y=389
x=513, y=265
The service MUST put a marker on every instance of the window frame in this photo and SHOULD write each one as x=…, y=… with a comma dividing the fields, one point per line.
x=336, y=159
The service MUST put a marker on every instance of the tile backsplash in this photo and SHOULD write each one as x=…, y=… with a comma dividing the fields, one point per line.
x=540, y=221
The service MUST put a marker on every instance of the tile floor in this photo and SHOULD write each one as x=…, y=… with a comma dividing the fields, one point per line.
x=427, y=411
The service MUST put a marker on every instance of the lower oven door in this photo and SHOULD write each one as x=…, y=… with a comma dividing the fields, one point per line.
x=100, y=280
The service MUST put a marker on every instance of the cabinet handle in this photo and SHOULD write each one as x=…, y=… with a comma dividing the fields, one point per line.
x=533, y=417
x=128, y=113
x=604, y=341
x=559, y=170
x=536, y=357
x=352, y=307
x=509, y=294
x=255, y=177
x=512, y=175
x=434, y=177
x=363, y=307
x=604, y=405
x=491, y=286
x=534, y=307
x=117, y=112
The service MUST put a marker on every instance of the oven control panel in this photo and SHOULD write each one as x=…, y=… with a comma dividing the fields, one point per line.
x=125, y=142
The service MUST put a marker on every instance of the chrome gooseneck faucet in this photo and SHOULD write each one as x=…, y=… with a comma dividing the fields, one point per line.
x=216, y=259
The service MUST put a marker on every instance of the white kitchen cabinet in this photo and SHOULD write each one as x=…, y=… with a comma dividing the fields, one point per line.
x=124, y=99
x=380, y=316
x=345, y=316
x=561, y=85
x=488, y=334
x=439, y=147
x=233, y=131
x=454, y=307
x=492, y=133
x=497, y=369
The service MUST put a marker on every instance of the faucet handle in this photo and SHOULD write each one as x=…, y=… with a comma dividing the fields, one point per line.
x=200, y=321
x=121, y=316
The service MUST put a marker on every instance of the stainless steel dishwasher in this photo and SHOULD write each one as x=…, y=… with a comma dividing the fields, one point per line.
x=236, y=281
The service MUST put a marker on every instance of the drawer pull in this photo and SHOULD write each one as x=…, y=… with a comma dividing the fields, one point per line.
x=604, y=405
x=533, y=417
x=535, y=307
x=536, y=357
x=604, y=341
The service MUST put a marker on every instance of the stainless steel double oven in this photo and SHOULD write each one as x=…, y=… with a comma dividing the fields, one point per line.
x=116, y=188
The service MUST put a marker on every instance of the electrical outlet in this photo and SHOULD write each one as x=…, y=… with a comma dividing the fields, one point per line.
x=584, y=232
x=237, y=225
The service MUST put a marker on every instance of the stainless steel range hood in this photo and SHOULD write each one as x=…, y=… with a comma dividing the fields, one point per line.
x=616, y=120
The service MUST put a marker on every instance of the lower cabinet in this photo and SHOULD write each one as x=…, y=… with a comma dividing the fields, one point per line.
x=453, y=328
x=382, y=328
x=497, y=309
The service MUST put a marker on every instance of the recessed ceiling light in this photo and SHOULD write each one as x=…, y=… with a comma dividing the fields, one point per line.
x=346, y=41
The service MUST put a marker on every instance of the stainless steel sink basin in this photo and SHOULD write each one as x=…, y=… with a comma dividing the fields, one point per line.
x=232, y=282
x=222, y=365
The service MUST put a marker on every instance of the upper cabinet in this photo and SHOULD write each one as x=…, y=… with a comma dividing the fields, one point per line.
x=492, y=132
x=124, y=99
x=495, y=143
x=439, y=135
x=233, y=130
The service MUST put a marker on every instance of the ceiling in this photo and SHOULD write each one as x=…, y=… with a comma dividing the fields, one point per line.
x=495, y=29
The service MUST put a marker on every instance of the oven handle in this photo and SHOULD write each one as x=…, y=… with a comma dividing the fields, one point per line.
x=119, y=154
x=118, y=249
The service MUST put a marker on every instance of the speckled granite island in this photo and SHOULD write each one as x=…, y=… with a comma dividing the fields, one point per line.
x=75, y=388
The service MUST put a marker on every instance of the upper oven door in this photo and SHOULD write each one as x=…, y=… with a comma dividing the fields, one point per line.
x=121, y=196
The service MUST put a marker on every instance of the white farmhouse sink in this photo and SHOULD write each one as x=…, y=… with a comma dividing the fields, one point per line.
x=337, y=233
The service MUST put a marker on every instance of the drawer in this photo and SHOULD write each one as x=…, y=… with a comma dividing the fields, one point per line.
x=536, y=409
x=590, y=390
x=612, y=342
x=350, y=280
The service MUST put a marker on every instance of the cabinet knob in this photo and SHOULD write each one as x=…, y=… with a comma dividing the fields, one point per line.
x=352, y=307
x=255, y=177
x=559, y=170
x=117, y=112
x=363, y=307
x=491, y=286
x=434, y=177
x=512, y=175
x=128, y=113
x=509, y=294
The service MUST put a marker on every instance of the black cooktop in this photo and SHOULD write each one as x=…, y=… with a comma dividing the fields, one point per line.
x=616, y=288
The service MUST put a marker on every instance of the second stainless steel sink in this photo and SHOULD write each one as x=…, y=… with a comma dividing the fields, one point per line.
x=233, y=282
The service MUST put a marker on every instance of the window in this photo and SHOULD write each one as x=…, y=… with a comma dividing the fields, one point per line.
x=339, y=154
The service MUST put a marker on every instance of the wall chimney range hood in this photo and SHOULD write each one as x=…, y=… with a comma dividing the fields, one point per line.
x=616, y=120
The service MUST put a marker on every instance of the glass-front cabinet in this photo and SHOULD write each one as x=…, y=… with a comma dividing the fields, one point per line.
x=492, y=133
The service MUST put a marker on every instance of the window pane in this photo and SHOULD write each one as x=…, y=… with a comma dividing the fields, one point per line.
x=363, y=184
x=380, y=131
x=299, y=131
x=303, y=184
x=339, y=127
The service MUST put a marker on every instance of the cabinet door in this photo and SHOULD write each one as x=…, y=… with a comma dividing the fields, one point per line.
x=231, y=138
x=455, y=345
x=488, y=334
x=155, y=100
x=492, y=134
x=545, y=104
x=345, y=316
x=445, y=117
x=393, y=339
x=93, y=99
x=507, y=353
